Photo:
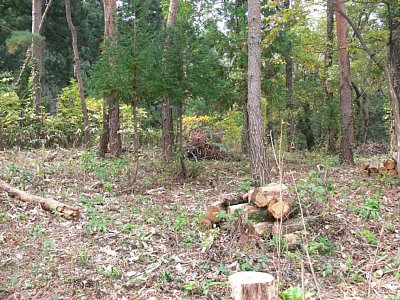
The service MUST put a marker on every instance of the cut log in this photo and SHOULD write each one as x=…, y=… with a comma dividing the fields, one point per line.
x=214, y=209
x=255, y=215
x=392, y=173
x=365, y=172
x=373, y=167
x=253, y=286
x=263, y=195
x=263, y=229
x=233, y=208
x=390, y=164
x=291, y=225
x=233, y=198
x=65, y=211
x=364, y=166
x=382, y=169
x=292, y=240
x=279, y=209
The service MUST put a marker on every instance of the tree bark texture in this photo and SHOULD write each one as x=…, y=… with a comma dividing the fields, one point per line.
x=258, y=157
x=346, y=154
x=393, y=69
x=78, y=72
x=136, y=142
x=110, y=133
x=36, y=58
x=331, y=132
x=1, y=136
x=167, y=116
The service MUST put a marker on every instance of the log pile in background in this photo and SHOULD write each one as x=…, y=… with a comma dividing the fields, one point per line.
x=264, y=209
x=377, y=167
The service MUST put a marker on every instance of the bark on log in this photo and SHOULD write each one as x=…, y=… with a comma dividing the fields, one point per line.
x=233, y=198
x=364, y=166
x=292, y=240
x=262, y=196
x=263, y=229
x=214, y=209
x=68, y=212
x=253, y=286
x=365, y=173
x=256, y=215
x=373, y=167
x=233, y=208
x=291, y=225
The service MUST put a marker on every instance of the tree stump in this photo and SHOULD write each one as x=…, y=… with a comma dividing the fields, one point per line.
x=253, y=286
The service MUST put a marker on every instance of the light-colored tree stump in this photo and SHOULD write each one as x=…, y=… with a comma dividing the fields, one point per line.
x=263, y=195
x=253, y=286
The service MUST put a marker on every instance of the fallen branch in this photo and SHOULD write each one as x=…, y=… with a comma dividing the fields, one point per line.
x=48, y=204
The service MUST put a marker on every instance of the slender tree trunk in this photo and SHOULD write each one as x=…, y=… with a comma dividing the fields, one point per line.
x=346, y=154
x=182, y=172
x=37, y=58
x=363, y=114
x=78, y=72
x=245, y=127
x=258, y=157
x=136, y=143
x=111, y=119
x=167, y=116
x=331, y=132
x=28, y=54
x=1, y=136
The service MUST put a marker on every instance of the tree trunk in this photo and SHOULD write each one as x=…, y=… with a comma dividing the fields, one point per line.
x=78, y=73
x=36, y=58
x=289, y=87
x=68, y=212
x=363, y=114
x=167, y=116
x=182, y=173
x=258, y=157
x=1, y=136
x=167, y=128
x=111, y=120
x=346, y=154
x=136, y=142
x=105, y=133
x=331, y=132
x=393, y=70
x=304, y=126
x=245, y=127
x=114, y=124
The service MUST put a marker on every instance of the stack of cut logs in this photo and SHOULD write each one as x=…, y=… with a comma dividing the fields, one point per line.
x=379, y=167
x=262, y=209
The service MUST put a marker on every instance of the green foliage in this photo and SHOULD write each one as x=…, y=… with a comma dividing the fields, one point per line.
x=371, y=209
x=97, y=221
x=321, y=245
x=369, y=236
x=21, y=40
x=295, y=293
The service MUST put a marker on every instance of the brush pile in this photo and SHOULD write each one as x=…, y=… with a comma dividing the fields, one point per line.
x=377, y=167
x=264, y=212
x=203, y=144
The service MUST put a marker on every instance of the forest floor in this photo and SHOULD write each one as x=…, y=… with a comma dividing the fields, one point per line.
x=148, y=245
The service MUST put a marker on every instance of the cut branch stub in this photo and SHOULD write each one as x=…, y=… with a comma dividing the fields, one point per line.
x=263, y=195
x=253, y=286
x=65, y=211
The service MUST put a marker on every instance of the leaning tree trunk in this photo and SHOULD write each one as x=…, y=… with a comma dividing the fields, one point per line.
x=167, y=116
x=78, y=73
x=258, y=157
x=1, y=136
x=36, y=58
x=346, y=154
